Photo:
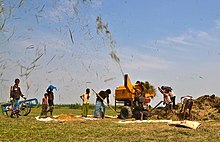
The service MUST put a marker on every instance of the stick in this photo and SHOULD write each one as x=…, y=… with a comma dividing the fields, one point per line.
x=104, y=101
x=156, y=106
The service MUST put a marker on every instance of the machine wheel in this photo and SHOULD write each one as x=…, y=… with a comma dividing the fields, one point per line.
x=139, y=113
x=25, y=109
x=125, y=112
x=8, y=112
x=136, y=113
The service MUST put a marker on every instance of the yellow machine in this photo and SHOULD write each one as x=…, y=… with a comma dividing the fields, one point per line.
x=134, y=99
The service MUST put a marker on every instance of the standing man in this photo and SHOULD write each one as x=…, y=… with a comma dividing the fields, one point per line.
x=100, y=107
x=172, y=95
x=50, y=97
x=166, y=100
x=85, y=106
x=15, y=94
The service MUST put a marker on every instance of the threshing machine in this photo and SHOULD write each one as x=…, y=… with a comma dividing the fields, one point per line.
x=134, y=99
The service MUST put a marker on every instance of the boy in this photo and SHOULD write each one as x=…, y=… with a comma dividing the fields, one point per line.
x=85, y=106
x=44, y=106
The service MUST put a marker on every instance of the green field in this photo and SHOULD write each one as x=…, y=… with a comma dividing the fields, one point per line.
x=28, y=129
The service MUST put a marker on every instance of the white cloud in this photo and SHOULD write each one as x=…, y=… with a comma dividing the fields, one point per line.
x=176, y=40
x=192, y=41
x=134, y=59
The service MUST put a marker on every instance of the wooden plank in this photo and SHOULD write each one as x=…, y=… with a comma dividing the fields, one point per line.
x=185, y=123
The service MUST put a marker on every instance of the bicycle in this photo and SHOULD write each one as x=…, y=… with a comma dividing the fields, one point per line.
x=23, y=110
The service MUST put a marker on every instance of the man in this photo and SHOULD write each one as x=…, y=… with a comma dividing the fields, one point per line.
x=15, y=94
x=170, y=92
x=187, y=103
x=166, y=100
x=50, y=97
x=100, y=107
x=85, y=106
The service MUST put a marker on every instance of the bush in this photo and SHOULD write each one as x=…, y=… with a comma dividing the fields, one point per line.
x=75, y=106
x=70, y=106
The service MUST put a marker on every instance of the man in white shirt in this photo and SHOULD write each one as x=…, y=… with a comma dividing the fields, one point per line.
x=172, y=95
x=166, y=100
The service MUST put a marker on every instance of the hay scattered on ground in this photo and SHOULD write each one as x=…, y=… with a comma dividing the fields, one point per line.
x=68, y=117
x=204, y=108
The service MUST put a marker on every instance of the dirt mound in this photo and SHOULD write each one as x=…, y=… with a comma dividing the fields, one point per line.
x=206, y=108
x=68, y=117
x=206, y=100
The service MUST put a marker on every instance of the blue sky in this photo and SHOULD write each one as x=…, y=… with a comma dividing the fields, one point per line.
x=172, y=43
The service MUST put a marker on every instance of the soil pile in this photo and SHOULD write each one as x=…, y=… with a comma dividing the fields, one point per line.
x=206, y=108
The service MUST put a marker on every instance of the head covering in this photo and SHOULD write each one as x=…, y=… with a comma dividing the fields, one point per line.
x=52, y=87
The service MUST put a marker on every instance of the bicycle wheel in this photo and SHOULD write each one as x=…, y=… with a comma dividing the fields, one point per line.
x=16, y=113
x=25, y=109
x=8, y=111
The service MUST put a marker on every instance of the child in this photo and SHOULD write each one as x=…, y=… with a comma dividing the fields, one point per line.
x=85, y=106
x=44, y=106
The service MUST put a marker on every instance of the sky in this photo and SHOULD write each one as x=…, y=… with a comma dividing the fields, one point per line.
x=57, y=42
